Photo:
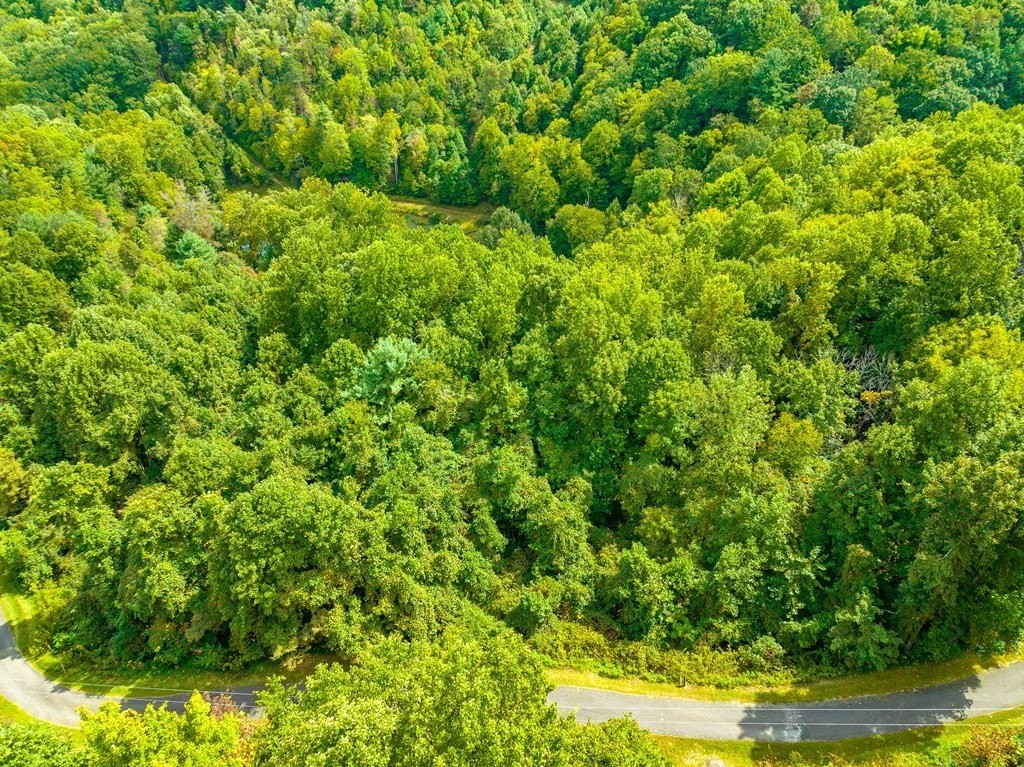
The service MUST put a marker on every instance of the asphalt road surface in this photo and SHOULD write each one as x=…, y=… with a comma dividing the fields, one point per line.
x=33, y=693
x=984, y=693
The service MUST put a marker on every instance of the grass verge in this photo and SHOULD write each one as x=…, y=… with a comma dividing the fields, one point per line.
x=136, y=680
x=147, y=681
x=11, y=713
x=896, y=748
x=855, y=685
x=20, y=612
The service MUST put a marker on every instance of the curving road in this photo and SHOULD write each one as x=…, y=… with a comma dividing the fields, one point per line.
x=33, y=693
x=22, y=684
x=983, y=693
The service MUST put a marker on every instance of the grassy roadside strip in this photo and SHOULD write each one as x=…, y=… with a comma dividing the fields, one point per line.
x=131, y=679
x=136, y=680
x=20, y=615
x=11, y=713
x=20, y=612
x=878, y=749
x=855, y=685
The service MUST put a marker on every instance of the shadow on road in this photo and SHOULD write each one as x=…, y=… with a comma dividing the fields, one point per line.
x=778, y=727
x=240, y=699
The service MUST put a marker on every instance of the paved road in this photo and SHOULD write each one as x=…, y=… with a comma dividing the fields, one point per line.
x=984, y=693
x=22, y=684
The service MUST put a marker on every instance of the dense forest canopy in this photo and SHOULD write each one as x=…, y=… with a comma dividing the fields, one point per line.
x=734, y=371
